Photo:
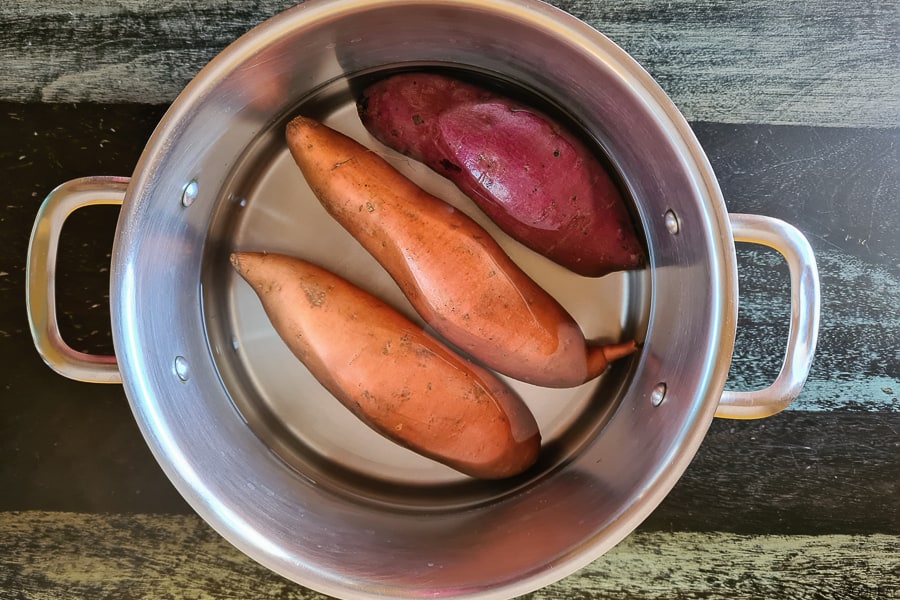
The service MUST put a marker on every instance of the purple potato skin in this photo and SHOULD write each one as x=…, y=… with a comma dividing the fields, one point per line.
x=538, y=182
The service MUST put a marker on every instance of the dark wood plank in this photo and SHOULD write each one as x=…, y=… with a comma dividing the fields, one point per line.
x=840, y=187
x=793, y=473
x=73, y=556
x=66, y=444
x=813, y=473
x=760, y=61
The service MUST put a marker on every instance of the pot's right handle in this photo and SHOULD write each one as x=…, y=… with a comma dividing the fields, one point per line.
x=804, y=326
x=40, y=293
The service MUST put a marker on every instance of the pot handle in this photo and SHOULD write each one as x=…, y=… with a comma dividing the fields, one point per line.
x=804, y=325
x=40, y=292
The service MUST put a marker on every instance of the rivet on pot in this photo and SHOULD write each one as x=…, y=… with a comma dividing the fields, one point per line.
x=658, y=394
x=189, y=194
x=671, y=220
x=182, y=369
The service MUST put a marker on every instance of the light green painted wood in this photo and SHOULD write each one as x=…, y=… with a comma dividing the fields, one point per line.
x=852, y=367
x=47, y=555
x=759, y=61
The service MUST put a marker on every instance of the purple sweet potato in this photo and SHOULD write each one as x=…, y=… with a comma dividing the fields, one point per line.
x=535, y=180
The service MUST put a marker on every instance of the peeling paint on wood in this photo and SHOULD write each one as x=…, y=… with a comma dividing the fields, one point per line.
x=72, y=555
x=857, y=364
x=760, y=61
x=763, y=61
x=714, y=565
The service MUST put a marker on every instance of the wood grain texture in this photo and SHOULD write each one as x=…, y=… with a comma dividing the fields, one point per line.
x=857, y=362
x=841, y=188
x=47, y=555
x=764, y=61
x=761, y=61
x=796, y=473
x=698, y=566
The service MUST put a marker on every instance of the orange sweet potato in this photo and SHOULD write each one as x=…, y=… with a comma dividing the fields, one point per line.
x=390, y=373
x=454, y=274
x=529, y=174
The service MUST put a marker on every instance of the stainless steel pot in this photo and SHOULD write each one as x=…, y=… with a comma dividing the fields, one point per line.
x=278, y=467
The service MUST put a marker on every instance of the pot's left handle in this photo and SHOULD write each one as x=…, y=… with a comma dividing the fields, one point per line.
x=40, y=292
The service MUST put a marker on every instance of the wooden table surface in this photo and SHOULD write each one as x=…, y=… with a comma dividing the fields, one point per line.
x=797, y=105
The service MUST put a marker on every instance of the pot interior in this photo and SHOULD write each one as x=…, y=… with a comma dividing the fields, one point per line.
x=276, y=464
x=267, y=206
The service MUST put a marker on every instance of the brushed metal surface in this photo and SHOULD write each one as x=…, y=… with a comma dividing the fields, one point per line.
x=803, y=331
x=40, y=294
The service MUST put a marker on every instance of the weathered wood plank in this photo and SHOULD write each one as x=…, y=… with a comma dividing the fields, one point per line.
x=841, y=188
x=857, y=361
x=71, y=555
x=762, y=61
x=793, y=473
x=712, y=565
